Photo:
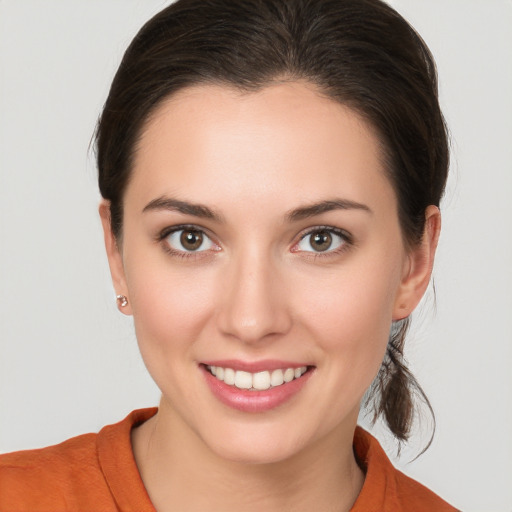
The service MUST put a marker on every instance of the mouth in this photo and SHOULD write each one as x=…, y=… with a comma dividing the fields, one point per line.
x=259, y=381
x=256, y=387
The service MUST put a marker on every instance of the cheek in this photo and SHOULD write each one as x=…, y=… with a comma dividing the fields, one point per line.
x=350, y=323
x=170, y=306
x=350, y=315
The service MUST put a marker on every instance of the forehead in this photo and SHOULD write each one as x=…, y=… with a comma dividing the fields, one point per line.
x=287, y=139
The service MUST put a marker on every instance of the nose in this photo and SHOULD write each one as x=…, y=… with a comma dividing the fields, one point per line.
x=253, y=300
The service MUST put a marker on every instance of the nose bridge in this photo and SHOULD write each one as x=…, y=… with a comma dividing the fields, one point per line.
x=253, y=304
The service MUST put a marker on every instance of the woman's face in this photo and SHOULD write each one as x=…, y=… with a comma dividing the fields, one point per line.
x=260, y=235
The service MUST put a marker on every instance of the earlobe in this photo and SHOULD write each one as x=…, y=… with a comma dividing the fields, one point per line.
x=418, y=270
x=115, y=257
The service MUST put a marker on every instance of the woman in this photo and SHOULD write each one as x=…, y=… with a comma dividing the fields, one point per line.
x=271, y=174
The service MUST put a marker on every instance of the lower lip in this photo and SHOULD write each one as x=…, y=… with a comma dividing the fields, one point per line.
x=254, y=401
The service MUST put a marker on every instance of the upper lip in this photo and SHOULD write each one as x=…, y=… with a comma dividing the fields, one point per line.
x=255, y=366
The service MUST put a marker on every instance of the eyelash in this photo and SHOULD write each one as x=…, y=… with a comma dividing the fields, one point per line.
x=347, y=242
x=189, y=255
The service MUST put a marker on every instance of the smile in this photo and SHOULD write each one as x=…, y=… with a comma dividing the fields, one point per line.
x=259, y=381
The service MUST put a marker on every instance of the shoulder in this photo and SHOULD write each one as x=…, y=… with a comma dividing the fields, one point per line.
x=88, y=472
x=57, y=457
x=48, y=478
x=386, y=489
x=413, y=495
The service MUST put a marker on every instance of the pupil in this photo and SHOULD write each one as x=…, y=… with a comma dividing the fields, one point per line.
x=321, y=241
x=191, y=240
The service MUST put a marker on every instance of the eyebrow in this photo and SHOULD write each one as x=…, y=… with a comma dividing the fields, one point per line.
x=195, y=209
x=301, y=213
x=305, y=212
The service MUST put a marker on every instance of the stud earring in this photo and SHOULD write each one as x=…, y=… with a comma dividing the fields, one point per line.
x=122, y=301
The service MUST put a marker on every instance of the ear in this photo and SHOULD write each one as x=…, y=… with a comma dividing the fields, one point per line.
x=114, y=255
x=418, y=267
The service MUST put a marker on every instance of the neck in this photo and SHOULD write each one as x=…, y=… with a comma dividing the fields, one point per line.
x=181, y=473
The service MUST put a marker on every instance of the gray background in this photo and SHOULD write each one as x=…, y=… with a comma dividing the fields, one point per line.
x=68, y=360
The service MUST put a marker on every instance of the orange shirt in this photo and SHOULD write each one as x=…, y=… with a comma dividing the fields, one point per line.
x=97, y=472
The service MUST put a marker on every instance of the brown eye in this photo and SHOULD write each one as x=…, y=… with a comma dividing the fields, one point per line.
x=323, y=240
x=191, y=240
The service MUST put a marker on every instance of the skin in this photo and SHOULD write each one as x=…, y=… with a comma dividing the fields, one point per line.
x=260, y=291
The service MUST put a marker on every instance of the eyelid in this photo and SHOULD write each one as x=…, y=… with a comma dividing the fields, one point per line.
x=344, y=235
x=166, y=232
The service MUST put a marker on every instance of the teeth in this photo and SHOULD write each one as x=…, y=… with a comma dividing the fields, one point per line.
x=277, y=378
x=259, y=381
x=289, y=375
x=229, y=376
x=243, y=380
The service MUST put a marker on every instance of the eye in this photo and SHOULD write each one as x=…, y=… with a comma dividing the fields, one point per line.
x=189, y=240
x=322, y=240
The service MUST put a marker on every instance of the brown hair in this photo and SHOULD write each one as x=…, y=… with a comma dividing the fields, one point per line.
x=360, y=53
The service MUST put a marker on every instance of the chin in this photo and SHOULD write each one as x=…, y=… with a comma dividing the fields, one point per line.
x=257, y=444
x=249, y=453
